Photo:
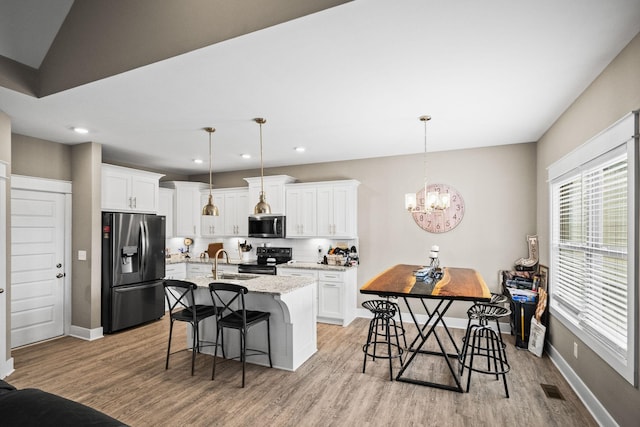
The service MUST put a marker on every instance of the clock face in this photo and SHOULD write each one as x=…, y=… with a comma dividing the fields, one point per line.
x=440, y=221
x=188, y=242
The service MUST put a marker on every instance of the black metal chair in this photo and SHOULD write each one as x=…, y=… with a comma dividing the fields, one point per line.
x=482, y=341
x=232, y=313
x=382, y=330
x=182, y=308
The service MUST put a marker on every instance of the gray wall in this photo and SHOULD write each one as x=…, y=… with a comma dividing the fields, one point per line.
x=86, y=160
x=37, y=157
x=613, y=94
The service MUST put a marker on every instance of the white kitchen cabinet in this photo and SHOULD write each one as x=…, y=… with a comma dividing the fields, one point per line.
x=301, y=211
x=187, y=207
x=336, y=293
x=176, y=271
x=236, y=214
x=166, y=207
x=129, y=190
x=337, y=209
x=233, y=204
x=274, y=190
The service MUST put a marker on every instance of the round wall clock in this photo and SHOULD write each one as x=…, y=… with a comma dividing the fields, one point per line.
x=440, y=221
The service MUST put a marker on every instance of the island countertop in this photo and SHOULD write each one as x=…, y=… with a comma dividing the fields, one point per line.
x=265, y=284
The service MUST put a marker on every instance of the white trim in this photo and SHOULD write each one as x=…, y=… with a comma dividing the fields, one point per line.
x=593, y=405
x=85, y=333
x=20, y=182
x=30, y=183
x=6, y=368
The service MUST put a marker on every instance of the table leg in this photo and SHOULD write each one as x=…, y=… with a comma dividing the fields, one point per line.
x=438, y=315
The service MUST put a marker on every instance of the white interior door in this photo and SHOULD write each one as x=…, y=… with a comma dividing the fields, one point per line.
x=37, y=266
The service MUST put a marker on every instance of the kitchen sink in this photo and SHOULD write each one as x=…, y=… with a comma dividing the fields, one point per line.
x=234, y=276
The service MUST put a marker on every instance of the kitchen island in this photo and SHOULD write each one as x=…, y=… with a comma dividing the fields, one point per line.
x=291, y=302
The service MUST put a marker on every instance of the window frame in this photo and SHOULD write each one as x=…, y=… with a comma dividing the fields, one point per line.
x=621, y=136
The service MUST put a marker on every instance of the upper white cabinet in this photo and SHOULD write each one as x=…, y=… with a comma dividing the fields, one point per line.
x=129, y=190
x=301, y=210
x=166, y=207
x=337, y=209
x=212, y=226
x=187, y=207
x=236, y=213
x=233, y=204
x=274, y=190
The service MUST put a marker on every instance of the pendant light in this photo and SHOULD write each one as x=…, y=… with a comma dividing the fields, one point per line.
x=428, y=201
x=262, y=207
x=210, y=209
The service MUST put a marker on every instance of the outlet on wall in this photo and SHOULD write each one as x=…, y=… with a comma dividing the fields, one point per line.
x=575, y=349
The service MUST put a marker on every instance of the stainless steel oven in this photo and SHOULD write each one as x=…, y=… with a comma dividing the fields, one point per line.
x=267, y=261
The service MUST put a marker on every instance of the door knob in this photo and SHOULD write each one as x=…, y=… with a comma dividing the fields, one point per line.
x=59, y=275
x=58, y=265
x=1, y=290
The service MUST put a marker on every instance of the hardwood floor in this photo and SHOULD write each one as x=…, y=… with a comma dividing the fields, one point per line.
x=123, y=375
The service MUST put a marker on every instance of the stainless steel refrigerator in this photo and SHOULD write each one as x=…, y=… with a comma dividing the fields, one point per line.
x=133, y=262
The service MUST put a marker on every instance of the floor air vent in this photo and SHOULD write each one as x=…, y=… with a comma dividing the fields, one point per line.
x=552, y=391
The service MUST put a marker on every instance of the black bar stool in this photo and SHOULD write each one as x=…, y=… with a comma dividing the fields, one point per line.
x=383, y=330
x=481, y=341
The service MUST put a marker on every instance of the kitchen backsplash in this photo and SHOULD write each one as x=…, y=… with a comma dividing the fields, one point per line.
x=305, y=250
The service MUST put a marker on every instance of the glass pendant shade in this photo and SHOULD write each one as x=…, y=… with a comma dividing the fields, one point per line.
x=262, y=207
x=210, y=209
x=426, y=201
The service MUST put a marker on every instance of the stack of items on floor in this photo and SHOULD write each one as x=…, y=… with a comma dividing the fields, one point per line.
x=527, y=288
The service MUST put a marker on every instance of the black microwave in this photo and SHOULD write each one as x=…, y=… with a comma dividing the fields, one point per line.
x=266, y=225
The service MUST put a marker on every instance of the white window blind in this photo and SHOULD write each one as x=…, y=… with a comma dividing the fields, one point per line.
x=593, y=286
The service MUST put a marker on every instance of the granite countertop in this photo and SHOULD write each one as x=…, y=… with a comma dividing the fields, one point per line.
x=296, y=264
x=315, y=266
x=198, y=260
x=265, y=284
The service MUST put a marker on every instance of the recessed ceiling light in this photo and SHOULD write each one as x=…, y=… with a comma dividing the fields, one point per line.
x=197, y=161
x=300, y=149
x=245, y=156
x=80, y=130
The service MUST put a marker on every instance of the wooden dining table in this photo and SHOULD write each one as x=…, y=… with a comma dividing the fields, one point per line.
x=455, y=284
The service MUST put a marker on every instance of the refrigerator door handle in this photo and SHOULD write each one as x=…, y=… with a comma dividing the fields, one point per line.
x=143, y=247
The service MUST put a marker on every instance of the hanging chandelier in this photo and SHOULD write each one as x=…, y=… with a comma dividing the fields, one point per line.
x=210, y=209
x=425, y=201
x=262, y=207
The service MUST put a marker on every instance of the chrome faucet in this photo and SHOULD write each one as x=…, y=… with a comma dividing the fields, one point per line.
x=215, y=262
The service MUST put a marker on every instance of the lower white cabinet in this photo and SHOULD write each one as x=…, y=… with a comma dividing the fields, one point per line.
x=336, y=293
x=175, y=271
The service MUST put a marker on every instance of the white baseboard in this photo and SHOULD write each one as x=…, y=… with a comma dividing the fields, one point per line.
x=593, y=405
x=85, y=334
x=6, y=368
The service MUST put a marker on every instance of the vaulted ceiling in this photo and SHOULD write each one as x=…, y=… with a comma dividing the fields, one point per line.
x=344, y=79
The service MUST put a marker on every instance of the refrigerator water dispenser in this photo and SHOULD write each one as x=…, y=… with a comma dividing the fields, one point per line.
x=129, y=258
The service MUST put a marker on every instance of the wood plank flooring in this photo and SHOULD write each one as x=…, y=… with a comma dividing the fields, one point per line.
x=123, y=375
